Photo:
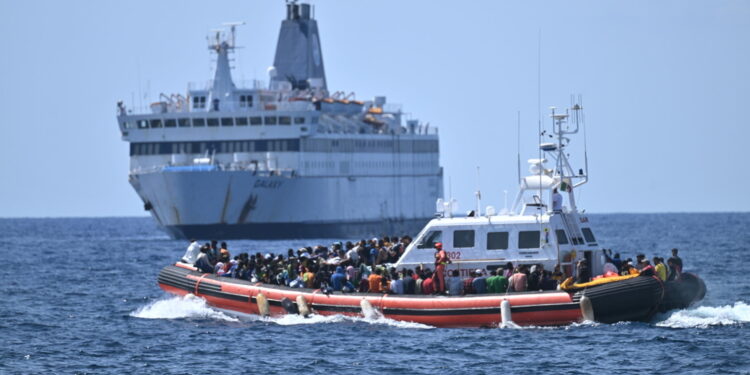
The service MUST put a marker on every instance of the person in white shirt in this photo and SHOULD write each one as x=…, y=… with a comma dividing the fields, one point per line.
x=191, y=255
x=353, y=256
x=557, y=201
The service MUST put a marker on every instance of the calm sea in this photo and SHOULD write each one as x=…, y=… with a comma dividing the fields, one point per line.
x=80, y=296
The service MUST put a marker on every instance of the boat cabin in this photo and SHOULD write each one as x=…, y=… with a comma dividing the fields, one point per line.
x=532, y=232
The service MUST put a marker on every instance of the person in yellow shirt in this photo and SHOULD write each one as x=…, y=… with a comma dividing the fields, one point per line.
x=661, y=269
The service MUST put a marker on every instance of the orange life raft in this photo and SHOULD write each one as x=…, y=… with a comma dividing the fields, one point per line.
x=636, y=298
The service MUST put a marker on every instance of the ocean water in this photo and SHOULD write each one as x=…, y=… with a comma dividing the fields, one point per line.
x=80, y=296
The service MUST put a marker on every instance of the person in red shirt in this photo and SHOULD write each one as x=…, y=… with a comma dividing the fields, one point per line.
x=441, y=260
x=428, y=284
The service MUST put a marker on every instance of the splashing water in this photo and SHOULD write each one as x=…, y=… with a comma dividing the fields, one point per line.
x=706, y=316
x=192, y=307
x=188, y=307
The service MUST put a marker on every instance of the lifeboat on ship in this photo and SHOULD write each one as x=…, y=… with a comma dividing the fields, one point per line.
x=531, y=233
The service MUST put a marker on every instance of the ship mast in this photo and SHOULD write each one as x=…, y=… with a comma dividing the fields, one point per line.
x=222, y=85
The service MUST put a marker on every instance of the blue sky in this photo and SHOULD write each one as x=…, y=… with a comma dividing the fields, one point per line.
x=665, y=86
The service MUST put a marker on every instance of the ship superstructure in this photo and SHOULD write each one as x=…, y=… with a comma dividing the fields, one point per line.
x=533, y=231
x=286, y=160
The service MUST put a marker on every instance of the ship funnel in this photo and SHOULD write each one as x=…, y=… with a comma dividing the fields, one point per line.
x=299, y=59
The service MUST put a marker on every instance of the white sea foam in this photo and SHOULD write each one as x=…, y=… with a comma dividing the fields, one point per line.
x=706, y=316
x=376, y=319
x=180, y=308
x=196, y=308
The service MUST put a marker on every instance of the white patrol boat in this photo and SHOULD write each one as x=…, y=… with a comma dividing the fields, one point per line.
x=539, y=229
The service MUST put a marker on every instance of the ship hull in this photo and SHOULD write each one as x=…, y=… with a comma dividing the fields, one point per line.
x=243, y=205
x=338, y=229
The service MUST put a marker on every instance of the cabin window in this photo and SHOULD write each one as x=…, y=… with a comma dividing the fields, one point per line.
x=183, y=122
x=256, y=120
x=299, y=120
x=170, y=123
x=270, y=120
x=246, y=101
x=463, y=238
x=562, y=237
x=213, y=122
x=285, y=120
x=588, y=235
x=199, y=102
x=227, y=121
x=155, y=123
x=497, y=240
x=142, y=124
x=199, y=122
x=241, y=121
x=528, y=239
x=430, y=239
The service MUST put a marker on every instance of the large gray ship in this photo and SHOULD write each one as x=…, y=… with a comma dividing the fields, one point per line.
x=285, y=160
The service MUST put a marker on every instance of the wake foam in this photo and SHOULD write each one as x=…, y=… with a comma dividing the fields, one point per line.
x=192, y=307
x=374, y=319
x=706, y=316
x=188, y=307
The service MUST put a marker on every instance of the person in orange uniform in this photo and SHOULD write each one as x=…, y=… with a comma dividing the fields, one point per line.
x=375, y=281
x=441, y=260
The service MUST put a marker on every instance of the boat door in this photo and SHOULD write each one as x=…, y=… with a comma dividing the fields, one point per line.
x=589, y=256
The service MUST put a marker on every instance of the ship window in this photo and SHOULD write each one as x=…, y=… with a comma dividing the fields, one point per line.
x=562, y=237
x=199, y=102
x=170, y=123
x=285, y=120
x=227, y=121
x=241, y=121
x=199, y=122
x=528, y=239
x=430, y=239
x=183, y=122
x=142, y=124
x=299, y=120
x=270, y=120
x=246, y=101
x=497, y=240
x=255, y=121
x=155, y=123
x=588, y=235
x=463, y=238
x=213, y=122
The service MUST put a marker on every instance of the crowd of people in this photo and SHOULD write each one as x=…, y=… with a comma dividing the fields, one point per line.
x=365, y=266
x=666, y=272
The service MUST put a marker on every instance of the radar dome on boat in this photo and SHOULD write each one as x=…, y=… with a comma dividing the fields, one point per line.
x=538, y=182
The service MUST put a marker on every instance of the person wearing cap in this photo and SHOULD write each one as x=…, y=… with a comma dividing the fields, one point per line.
x=480, y=282
x=639, y=262
x=441, y=261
